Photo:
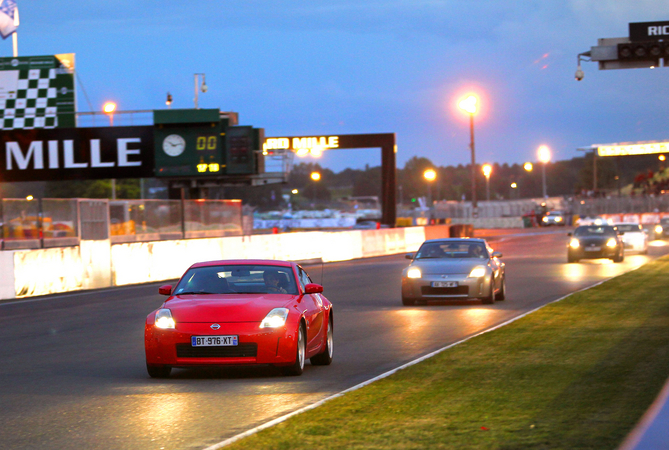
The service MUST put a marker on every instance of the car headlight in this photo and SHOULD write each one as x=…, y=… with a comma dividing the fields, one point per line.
x=574, y=243
x=414, y=272
x=164, y=319
x=275, y=319
x=558, y=219
x=611, y=243
x=477, y=272
x=658, y=229
x=545, y=219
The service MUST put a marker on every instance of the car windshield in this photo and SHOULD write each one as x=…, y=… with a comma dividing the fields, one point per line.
x=555, y=213
x=595, y=231
x=238, y=279
x=458, y=249
x=629, y=227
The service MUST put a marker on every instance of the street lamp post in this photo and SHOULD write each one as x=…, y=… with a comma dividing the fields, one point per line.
x=109, y=109
x=203, y=87
x=487, y=170
x=430, y=175
x=315, y=177
x=544, y=157
x=469, y=105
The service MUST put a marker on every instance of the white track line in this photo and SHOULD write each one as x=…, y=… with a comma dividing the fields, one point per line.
x=285, y=417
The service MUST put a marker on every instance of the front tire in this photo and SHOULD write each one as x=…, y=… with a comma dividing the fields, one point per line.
x=502, y=293
x=489, y=300
x=158, y=371
x=325, y=358
x=298, y=366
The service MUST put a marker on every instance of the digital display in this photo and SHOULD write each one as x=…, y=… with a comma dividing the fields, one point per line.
x=633, y=149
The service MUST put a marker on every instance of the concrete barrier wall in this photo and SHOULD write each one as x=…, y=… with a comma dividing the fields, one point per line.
x=97, y=264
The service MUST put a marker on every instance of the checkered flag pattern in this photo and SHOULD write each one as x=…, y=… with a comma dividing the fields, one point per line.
x=35, y=102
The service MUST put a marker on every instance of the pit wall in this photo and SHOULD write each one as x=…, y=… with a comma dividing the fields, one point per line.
x=99, y=264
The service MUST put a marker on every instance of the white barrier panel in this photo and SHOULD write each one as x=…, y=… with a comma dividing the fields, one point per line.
x=144, y=262
x=342, y=246
x=96, y=260
x=48, y=271
x=413, y=238
x=7, y=289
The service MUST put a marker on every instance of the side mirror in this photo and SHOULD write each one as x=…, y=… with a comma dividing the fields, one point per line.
x=165, y=290
x=568, y=234
x=408, y=256
x=497, y=254
x=313, y=288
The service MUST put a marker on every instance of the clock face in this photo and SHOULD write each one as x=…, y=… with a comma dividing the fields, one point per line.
x=174, y=145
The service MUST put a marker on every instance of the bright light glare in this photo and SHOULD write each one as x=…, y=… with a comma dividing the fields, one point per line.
x=414, y=273
x=275, y=318
x=315, y=176
x=487, y=170
x=514, y=185
x=611, y=243
x=316, y=152
x=544, y=154
x=109, y=107
x=302, y=152
x=430, y=175
x=29, y=197
x=528, y=166
x=477, y=272
x=295, y=191
x=469, y=104
x=574, y=243
x=661, y=157
x=164, y=319
x=658, y=229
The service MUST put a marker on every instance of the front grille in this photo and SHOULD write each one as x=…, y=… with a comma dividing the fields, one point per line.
x=429, y=290
x=243, y=350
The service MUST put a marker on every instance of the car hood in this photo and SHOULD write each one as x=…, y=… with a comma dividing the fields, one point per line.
x=448, y=266
x=226, y=307
x=593, y=240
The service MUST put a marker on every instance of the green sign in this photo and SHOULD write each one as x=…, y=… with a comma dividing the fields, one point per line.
x=37, y=92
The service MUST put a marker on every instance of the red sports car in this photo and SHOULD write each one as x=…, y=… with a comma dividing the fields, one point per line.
x=240, y=312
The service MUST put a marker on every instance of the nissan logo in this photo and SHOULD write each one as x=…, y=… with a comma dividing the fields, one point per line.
x=215, y=326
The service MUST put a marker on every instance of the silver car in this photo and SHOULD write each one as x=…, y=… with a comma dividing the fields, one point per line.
x=454, y=268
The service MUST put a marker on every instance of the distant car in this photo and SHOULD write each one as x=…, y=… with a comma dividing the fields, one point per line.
x=240, y=312
x=368, y=225
x=661, y=229
x=594, y=242
x=454, y=268
x=554, y=218
x=635, y=238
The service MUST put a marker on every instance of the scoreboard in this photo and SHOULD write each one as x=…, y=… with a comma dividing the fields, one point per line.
x=199, y=143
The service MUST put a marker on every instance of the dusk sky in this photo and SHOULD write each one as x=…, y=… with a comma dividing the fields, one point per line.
x=343, y=66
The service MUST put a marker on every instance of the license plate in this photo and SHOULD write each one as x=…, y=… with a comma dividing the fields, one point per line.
x=593, y=249
x=214, y=341
x=444, y=284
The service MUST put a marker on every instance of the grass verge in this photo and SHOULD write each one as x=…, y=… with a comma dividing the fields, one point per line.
x=577, y=374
